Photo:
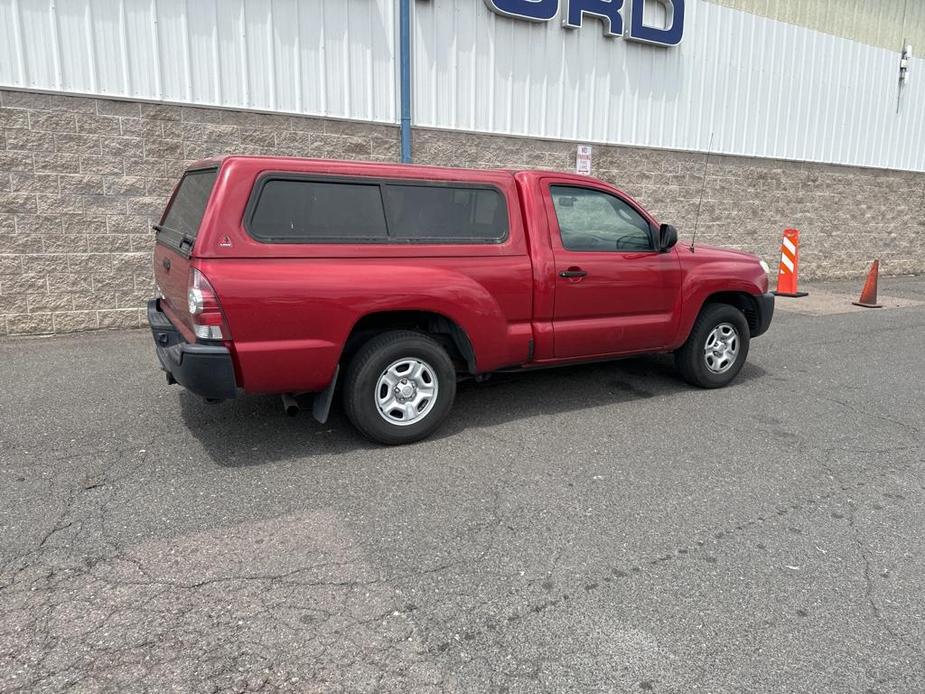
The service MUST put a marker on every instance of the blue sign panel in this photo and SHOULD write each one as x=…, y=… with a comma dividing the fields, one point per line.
x=610, y=12
x=671, y=36
x=533, y=10
x=607, y=10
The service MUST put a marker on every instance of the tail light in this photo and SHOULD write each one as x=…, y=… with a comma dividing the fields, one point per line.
x=208, y=319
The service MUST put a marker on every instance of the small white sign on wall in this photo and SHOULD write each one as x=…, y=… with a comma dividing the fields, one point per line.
x=583, y=162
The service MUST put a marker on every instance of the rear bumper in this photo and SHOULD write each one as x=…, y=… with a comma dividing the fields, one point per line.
x=205, y=370
x=765, y=303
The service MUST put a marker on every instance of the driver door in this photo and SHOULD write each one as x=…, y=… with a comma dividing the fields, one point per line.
x=615, y=293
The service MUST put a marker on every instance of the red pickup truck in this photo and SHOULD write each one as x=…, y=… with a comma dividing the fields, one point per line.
x=291, y=276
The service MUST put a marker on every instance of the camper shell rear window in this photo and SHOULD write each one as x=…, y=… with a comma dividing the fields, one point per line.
x=180, y=224
x=292, y=208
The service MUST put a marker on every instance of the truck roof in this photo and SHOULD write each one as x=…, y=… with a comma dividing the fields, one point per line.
x=370, y=167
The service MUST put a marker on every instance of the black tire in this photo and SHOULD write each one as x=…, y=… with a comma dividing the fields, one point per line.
x=371, y=362
x=690, y=359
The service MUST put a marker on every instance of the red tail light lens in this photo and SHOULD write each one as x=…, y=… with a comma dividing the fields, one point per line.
x=208, y=319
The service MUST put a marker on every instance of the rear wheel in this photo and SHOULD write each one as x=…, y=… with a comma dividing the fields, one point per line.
x=399, y=387
x=716, y=349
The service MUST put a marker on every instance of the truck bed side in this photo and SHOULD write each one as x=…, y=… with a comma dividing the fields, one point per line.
x=292, y=307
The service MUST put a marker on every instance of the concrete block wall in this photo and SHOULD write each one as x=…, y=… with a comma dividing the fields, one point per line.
x=846, y=216
x=83, y=179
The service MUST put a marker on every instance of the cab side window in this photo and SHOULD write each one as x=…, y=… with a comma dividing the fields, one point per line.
x=591, y=220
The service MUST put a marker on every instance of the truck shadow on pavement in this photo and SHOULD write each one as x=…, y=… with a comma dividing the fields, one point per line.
x=254, y=430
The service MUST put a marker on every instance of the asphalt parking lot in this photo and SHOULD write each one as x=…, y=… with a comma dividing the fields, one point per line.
x=597, y=529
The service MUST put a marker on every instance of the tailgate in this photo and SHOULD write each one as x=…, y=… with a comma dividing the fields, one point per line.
x=176, y=240
x=171, y=272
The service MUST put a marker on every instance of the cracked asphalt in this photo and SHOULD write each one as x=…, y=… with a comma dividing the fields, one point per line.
x=600, y=528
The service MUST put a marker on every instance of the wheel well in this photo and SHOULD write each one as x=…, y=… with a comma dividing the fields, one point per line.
x=744, y=302
x=448, y=333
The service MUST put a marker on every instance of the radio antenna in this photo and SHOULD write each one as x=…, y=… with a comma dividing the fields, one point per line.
x=703, y=185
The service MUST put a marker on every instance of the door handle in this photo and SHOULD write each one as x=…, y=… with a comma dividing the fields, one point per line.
x=573, y=273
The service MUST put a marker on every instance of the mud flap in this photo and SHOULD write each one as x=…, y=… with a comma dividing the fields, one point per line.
x=321, y=405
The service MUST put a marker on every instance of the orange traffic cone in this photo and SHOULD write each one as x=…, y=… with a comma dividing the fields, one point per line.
x=869, y=293
x=787, y=273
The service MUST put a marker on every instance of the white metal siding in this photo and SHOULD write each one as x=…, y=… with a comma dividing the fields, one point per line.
x=881, y=23
x=762, y=87
x=322, y=57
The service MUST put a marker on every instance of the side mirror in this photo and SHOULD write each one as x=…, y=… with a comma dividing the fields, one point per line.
x=667, y=237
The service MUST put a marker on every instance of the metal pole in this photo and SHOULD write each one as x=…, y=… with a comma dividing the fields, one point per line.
x=404, y=40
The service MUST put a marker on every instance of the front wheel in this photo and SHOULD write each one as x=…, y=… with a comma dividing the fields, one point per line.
x=716, y=349
x=399, y=387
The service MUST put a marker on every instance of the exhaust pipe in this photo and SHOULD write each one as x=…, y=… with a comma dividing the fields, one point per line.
x=290, y=405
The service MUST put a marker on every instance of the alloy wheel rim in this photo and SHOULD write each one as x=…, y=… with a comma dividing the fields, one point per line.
x=406, y=391
x=721, y=348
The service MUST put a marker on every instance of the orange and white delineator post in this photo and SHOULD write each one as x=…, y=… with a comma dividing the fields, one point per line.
x=788, y=271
